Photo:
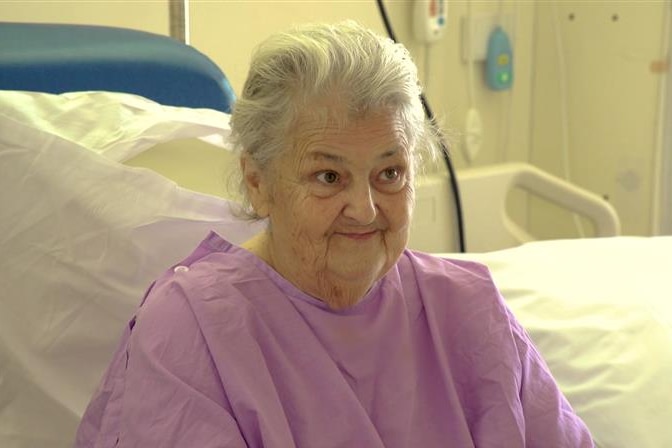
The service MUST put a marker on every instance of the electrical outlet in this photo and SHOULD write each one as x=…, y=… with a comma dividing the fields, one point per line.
x=475, y=46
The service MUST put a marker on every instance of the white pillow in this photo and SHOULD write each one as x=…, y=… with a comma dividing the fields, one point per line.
x=115, y=125
x=81, y=238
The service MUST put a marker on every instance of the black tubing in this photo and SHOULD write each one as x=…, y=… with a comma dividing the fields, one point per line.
x=444, y=147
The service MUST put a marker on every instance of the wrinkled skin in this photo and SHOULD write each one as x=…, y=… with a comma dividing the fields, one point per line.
x=339, y=202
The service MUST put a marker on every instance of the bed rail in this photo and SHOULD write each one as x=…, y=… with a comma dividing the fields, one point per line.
x=488, y=224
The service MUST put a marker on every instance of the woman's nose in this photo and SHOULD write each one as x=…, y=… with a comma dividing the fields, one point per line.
x=360, y=206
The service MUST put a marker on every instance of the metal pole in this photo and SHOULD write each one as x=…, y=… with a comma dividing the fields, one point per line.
x=179, y=20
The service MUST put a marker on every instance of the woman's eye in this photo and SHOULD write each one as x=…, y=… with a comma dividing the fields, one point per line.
x=328, y=177
x=391, y=174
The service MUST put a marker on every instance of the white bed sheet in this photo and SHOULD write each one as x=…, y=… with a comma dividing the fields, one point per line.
x=600, y=311
x=81, y=238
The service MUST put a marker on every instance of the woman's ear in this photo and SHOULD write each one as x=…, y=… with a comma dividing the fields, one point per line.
x=256, y=186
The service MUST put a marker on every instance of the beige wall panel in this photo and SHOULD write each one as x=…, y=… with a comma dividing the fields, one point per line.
x=228, y=31
x=146, y=15
x=612, y=104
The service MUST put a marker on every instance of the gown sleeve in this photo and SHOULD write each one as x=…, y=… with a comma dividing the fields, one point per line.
x=172, y=393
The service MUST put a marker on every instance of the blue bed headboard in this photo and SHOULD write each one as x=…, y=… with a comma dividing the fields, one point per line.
x=67, y=58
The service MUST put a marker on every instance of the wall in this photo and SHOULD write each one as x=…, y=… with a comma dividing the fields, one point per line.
x=612, y=75
x=149, y=16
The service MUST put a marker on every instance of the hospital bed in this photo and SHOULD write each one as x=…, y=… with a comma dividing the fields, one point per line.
x=87, y=220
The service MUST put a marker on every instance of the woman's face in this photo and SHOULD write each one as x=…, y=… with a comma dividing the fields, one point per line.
x=339, y=204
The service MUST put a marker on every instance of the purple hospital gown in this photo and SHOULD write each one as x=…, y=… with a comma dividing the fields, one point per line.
x=224, y=352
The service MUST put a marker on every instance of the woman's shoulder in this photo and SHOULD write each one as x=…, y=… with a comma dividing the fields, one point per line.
x=456, y=272
x=210, y=274
x=458, y=295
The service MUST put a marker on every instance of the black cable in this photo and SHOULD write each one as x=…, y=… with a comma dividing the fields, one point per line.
x=444, y=147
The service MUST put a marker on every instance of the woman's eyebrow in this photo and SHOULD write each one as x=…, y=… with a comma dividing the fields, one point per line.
x=389, y=153
x=324, y=155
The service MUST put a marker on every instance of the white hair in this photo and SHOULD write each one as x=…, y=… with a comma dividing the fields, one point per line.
x=293, y=71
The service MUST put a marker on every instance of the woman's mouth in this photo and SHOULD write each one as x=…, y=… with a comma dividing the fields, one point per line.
x=359, y=236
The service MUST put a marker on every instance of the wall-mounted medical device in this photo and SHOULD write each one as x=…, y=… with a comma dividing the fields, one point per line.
x=430, y=18
x=499, y=60
x=477, y=29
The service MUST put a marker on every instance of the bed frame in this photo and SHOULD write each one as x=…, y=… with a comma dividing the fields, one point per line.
x=487, y=219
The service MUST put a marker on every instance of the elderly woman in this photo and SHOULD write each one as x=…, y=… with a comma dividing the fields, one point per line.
x=324, y=331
